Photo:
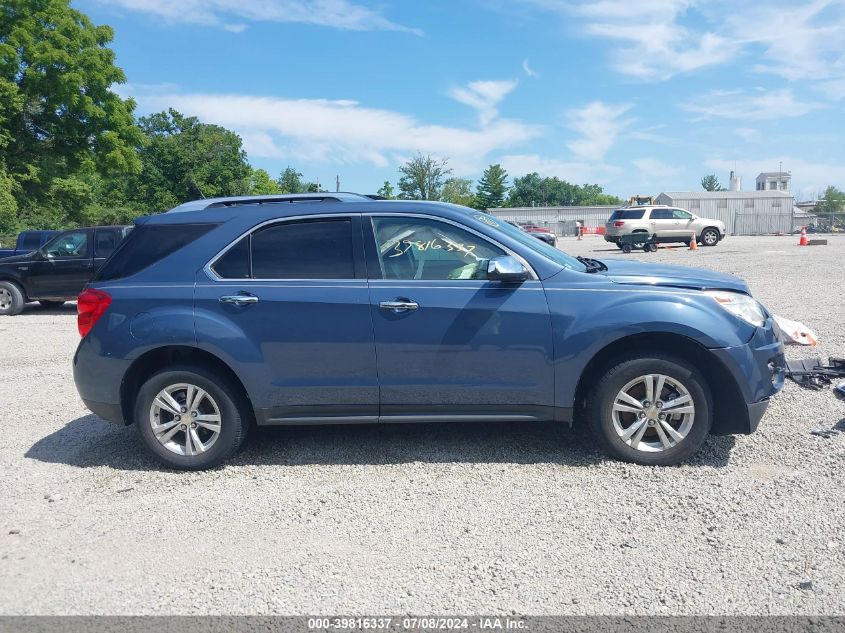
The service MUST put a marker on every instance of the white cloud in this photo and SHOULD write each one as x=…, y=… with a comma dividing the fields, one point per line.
x=655, y=171
x=747, y=134
x=598, y=125
x=808, y=178
x=340, y=131
x=757, y=105
x=483, y=96
x=528, y=70
x=231, y=14
x=656, y=39
x=798, y=40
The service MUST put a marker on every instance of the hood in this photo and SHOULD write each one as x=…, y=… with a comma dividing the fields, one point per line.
x=26, y=257
x=645, y=274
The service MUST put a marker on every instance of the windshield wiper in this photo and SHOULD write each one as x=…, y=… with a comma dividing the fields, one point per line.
x=593, y=265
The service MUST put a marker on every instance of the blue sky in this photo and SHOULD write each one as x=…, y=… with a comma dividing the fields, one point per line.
x=641, y=96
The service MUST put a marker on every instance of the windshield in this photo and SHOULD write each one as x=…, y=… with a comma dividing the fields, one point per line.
x=528, y=240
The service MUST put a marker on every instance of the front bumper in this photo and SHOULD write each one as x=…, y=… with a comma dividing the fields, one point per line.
x=758, y=369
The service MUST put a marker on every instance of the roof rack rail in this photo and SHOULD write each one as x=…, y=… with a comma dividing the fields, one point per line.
x=237, y=201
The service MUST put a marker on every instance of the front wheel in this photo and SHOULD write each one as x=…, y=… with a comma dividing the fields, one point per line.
x=653, y=410
x=11, y=299
x=189, y=418
x=709, y=237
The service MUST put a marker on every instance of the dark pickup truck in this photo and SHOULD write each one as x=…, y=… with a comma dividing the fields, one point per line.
x=28, y=241
x=57, y=271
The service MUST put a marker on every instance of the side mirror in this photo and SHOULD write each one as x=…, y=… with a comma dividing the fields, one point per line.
x=507, y=269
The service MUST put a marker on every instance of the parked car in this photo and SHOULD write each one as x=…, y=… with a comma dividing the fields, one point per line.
x=541, y=234
x=669, y=224
x=341, y=309
x=57, y=271
x=27, y=242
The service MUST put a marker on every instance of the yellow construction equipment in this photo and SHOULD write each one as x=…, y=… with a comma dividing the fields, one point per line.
x=640, y=200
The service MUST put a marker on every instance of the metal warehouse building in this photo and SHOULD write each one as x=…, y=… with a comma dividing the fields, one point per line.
x=743, y=212
x=561, y=220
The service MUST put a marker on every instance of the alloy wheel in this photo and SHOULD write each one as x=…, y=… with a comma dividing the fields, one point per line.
x=5, y=299
x=710, y=238
x=185, y=419
x=653, y=413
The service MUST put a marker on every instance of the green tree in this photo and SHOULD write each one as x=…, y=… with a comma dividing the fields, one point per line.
x=492, y=187
x=8, y=204
x=260, y=183
x=386, y=191
x=58, y=113
x=711, y=183
x=184, y=159
x=422, y=178
x=535, y=190
x=290, y=181
x=832, y=201
x=458, y=191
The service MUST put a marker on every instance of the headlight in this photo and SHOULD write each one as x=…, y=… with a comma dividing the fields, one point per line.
x=740, y=305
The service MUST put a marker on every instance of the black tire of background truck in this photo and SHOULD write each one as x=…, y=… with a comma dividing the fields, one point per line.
x=12, y=299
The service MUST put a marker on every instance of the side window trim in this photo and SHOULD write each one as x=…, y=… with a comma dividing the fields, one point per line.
x=357, y=249
x=372, y=249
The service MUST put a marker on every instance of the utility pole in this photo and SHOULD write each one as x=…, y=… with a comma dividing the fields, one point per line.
x=337, y=183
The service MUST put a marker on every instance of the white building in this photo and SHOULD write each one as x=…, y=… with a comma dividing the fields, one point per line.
x=774, y=181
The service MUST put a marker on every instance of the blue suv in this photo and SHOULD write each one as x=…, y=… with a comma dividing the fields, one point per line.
x=343, y=309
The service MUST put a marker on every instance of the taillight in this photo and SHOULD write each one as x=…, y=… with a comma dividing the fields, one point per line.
x=90, y=306
x=619, y=223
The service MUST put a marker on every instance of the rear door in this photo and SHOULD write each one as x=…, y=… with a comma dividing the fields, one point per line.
x=288, y=304
x=67, y=267
x=662, y=223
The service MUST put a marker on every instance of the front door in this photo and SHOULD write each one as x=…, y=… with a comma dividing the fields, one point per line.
x=449, y=342
x=289, y=308
x=66, y=268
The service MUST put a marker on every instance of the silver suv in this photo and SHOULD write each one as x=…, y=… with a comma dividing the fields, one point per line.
x=668, y=224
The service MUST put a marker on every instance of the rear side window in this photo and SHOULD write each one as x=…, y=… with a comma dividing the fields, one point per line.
x=314, y=249
x=235, y=263
x=661, y=214
x=148, y=244
x=627, y=214
x=31, y=241
x=105, y=241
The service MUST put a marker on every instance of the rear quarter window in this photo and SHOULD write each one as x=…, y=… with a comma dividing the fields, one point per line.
x=147, y=244
x=627, y=214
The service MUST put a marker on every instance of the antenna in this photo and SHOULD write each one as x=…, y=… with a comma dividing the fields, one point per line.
x=337, y=182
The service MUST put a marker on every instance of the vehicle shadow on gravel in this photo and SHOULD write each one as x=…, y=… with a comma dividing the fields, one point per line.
x=36, y=309
x=89, y=441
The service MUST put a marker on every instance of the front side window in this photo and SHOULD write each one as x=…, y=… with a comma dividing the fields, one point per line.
x=68, y=245
x=308, y=249
x=680, y=214
x=419, y=248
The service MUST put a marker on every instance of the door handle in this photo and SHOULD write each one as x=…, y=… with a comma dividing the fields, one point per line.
x=239, y=300
x=399, y=305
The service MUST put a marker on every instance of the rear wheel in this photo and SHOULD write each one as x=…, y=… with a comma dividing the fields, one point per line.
x=653, y=410
x=189, y=418
x=626, y=248
x=11, y=299
x=709, y=237
x=51, y=304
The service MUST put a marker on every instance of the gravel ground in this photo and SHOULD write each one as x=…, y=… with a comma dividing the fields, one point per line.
x=503, y=518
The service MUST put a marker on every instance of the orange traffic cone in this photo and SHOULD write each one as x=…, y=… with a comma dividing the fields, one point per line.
x=803, y=240
x=693, y=246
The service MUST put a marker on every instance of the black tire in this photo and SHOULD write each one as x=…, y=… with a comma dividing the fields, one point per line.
x=234, y=417
x=628, y=368
x=626, y=248
x=709, y=237
x=46, y=303
x=651, y=248
x=12, y=300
